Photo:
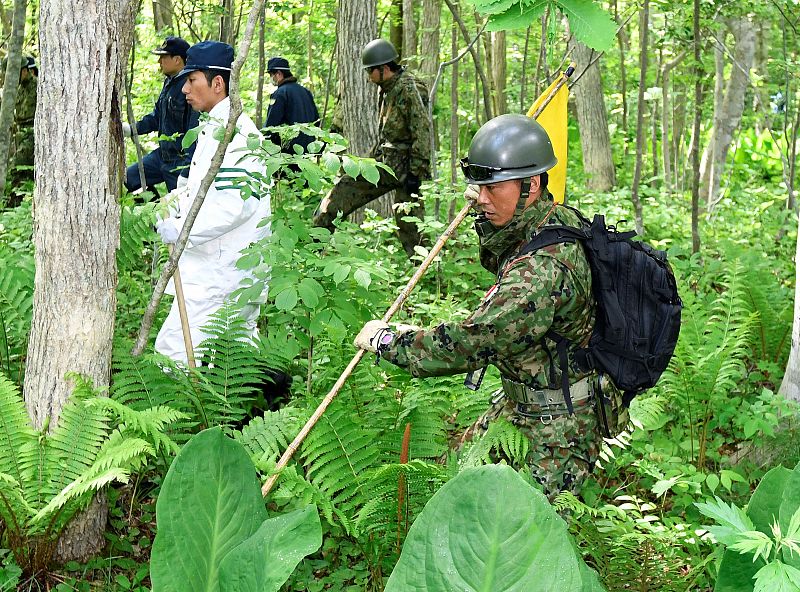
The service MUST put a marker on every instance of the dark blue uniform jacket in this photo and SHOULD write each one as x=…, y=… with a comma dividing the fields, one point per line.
x=292, y=103
x=172, y=114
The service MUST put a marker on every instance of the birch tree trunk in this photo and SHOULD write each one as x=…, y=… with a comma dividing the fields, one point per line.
x=790, y=387
x=598, y=163
x=80, y=158
x=715, y=154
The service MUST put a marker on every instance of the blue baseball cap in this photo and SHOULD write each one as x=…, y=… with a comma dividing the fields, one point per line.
x=278, y=63
x=174, y=46
x=208, y=55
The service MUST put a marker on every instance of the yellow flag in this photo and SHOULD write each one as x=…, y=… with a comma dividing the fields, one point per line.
x=554, y=120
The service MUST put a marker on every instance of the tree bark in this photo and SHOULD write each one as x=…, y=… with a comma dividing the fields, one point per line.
x=162, y=14
x=396, y=25
x=598, y=163
x=10, y=87
x=262, y=67
x=622, y=43
x=409, y=54
x=356, y=25
x=499, y=72
x=790, y=386
x=80, y=158
x=698, y=112
x=666, y=111
x=641, y=142
x=429, y=39
x=487, y=97
x=226, y=22
x=731, y=109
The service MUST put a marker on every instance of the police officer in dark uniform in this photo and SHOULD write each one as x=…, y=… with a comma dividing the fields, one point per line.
x=172, y=115
x=290, y=103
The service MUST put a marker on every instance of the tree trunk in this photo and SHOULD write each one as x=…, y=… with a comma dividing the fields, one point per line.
x=698, y=112
x=262, y=66
x=80, y=158
x=409, y=54
x=666, y=111
x=622, y=43
x=226, y=22
x=790, y=387
x=499, y=72
x=487, y=97
x=10, y=87
x=730, y=111
x=162, y=14
x=396, y=25
x=523, y=90
x=429, y=40
x=598, y=163
x=356, y=25
x=641, y=141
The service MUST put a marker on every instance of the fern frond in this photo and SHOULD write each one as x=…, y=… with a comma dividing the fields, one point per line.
x=502, y=440
x=75, y=442
x=265, y=438
x=15, y=430
x=135, y=235
x=87, y=484
x=336, y=455
x=420, y=480
x=296, y=489
x=150, y=423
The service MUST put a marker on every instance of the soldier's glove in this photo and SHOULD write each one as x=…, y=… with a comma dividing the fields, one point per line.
x=472, y=192
x=373, y=335
x=169, y=231
x=412, y=184
x=126, y=130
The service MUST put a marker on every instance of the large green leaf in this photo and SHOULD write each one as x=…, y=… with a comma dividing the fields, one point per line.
x=266, y=560
x=590, y=24
x=487, y=530
x=210, y=502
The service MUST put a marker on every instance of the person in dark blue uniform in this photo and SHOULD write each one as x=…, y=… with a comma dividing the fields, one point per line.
x=172, y=115
x=290, y=103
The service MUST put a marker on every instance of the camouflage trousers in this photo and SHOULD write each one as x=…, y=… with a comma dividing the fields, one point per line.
x=349, y=194
x=563, y=449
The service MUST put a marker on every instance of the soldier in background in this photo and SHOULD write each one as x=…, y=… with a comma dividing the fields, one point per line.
x=404, y=144
x=548, y=289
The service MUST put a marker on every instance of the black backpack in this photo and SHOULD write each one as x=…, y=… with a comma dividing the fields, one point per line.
x=638, y=307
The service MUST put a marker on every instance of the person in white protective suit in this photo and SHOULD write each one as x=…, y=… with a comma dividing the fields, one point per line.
x=226, y=223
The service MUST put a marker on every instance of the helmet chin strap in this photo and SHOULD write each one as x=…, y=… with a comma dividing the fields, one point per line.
x=524, y=193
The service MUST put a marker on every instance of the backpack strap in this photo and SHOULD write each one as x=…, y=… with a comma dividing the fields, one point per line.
x=563, y=361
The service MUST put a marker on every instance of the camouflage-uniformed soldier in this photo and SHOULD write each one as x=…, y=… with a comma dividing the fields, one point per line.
x=404, y=144
x=534, y=293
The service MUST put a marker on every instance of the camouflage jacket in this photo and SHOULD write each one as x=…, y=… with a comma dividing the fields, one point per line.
x=404, y=138
x=550, y=288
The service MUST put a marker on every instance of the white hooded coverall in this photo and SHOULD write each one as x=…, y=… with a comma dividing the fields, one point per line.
x=225, y=225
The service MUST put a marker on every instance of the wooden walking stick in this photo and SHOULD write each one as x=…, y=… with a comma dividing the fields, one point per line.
x=187, y=335
x=401, y=298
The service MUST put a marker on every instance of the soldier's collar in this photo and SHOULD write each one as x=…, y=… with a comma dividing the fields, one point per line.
x=387, y=85
x=522, y=226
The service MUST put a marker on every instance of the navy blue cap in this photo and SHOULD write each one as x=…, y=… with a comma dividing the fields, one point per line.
x=278, y=64
x=208, y=55
x=174, y=46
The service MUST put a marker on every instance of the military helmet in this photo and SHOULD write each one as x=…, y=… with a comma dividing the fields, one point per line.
x=378, y=52
x=508, y=147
